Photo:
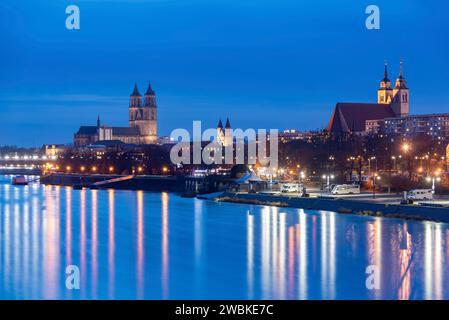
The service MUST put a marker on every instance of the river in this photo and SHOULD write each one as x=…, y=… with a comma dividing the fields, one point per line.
x=143, y=245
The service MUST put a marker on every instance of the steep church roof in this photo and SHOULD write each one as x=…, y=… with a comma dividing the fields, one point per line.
x=87, y=130
x=400, y=81
x=351, y=117
x=135, y=92
x=125, y=131
x=228, y=124
x=385, y=79
x=150, y=91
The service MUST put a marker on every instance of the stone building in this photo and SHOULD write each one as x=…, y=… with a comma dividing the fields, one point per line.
x=142, y=123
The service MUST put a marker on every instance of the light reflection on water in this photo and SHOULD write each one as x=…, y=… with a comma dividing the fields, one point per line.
x=137, y=245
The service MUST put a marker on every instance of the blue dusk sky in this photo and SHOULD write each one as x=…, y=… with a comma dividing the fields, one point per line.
x=264, y=63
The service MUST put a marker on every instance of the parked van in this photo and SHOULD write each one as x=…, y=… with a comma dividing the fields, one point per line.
x=346, y=189
x=291, y=187
x=420, y=194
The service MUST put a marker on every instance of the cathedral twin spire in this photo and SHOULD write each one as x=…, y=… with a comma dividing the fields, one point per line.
x=400, y=81
x=149, y=99
x=149, y=92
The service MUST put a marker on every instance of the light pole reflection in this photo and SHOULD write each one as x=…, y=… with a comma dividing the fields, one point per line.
x=250, y=253
x=83, y=270
x=140, y=246
x=94, y=243
x=302, y=248
x=165, y=245
x=111, y=243
x=68, y=230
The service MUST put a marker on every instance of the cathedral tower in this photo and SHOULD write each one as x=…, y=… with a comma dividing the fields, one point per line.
x=401, y=96
x=228, y=134
x=220, y=132
x=144, y=116
x=385, y=92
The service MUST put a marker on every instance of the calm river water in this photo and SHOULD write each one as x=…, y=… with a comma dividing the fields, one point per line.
x=139, y=245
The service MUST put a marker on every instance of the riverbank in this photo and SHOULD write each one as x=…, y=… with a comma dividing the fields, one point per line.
x=343, y=206
x=103, y=181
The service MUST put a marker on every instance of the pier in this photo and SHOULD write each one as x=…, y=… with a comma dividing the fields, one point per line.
x=423, y=211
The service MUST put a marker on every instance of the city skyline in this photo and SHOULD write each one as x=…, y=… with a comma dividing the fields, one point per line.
x=228, y=63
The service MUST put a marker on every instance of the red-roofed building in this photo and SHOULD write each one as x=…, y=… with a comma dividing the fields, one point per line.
x=364, y=117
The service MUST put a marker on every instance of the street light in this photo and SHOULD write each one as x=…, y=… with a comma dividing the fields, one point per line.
x=302, y=175
x=327, y=178
x=369, y=164
x=406, y=147
x=375, y=177
x=433, y=179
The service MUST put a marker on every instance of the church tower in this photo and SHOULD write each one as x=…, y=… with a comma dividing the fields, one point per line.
x=144, y=116
x=385, y=92
x=220, y=132
x=228, y=134
x=401, y=96
x=150, y=130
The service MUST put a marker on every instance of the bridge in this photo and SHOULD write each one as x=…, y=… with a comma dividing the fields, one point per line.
x=24, y=164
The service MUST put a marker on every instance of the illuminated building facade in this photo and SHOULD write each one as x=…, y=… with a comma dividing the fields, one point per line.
x=142, y=123
x=366, y=117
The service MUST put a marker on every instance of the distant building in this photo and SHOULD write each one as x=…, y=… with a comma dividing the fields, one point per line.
x=435, y=125
x=225, y=135
x=389, y=115
x=361, y=117
x=165, y=140
x=52, y=150
x=293, y=135
x=142, y=123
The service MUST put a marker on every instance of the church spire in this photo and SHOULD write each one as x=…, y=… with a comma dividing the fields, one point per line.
x=220, y=124
x=400, y=81
x=135, y=92
x=150, y=91
x=401, y=75
x=228, y=124
x=98, y=121
x=386, y=71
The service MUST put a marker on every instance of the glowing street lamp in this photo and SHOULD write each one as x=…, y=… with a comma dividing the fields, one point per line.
x=406, y=147
x=375, y=177
x=433, y=179
x=328, y=177
x=111, y=169
x=94, y=169
x=83, y=168
x=302, y=175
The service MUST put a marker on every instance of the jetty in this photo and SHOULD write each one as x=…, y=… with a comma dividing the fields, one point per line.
x=418, y=211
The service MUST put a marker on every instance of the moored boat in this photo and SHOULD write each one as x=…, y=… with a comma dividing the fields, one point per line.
x=19, y=181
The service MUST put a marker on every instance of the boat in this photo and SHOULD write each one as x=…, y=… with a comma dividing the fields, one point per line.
x=19, y=181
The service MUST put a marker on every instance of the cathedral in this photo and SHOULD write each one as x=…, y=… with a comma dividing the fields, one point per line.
x=142, y=123
x=224, y=136
x=363, y=117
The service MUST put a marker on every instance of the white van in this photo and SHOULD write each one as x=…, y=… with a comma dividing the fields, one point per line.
x=291, y=187
x=420, y=194
x=346, y=189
